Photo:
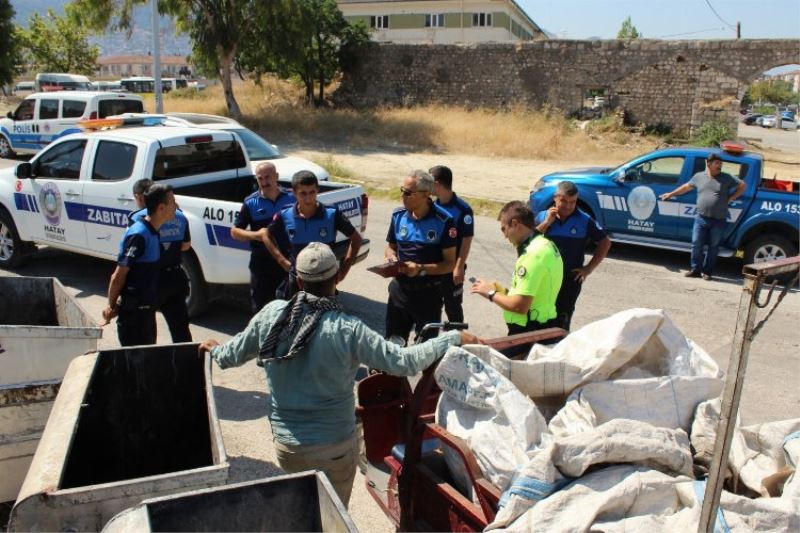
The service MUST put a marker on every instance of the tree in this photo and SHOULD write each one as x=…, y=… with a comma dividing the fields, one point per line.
x=9, y=57
x=309, y=39
x=214, y=26
x=58, y=44
x=772, y=91
x=628, y=30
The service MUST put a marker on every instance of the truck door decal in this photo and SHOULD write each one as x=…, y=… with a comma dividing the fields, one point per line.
x=221, y=236
x=25, y=202
x=96, y=214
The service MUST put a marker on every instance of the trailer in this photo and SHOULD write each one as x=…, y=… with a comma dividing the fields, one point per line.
x=305, y=501
x=42, y=328
x=406, y=472
x=127, y=425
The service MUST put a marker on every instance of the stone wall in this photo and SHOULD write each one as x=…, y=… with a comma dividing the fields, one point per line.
x=677, y=84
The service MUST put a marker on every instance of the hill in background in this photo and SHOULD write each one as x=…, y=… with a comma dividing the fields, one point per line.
x=116, y=43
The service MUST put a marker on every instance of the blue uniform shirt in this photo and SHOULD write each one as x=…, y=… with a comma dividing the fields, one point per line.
x=463, y=218
x=140, y=251
x=172, y=234
x=571, y=236
x=298, y=231
x=258, y=212
x=421, y=241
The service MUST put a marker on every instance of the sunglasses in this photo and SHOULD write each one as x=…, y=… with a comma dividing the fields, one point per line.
x=407, y=192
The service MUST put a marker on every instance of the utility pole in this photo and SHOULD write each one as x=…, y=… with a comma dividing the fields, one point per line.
x=156, y=57
x=738, y=30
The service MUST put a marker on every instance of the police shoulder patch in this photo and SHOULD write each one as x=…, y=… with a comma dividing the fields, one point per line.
x=468, y=219
x=453, y=233
x=521, y=272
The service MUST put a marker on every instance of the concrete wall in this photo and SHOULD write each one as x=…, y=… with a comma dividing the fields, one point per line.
x=679, y=84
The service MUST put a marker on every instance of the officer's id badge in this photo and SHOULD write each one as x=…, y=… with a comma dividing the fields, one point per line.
x=323, y=232
x=431, y=235
x=521, y=272
x=468, y=219
x=403, y=231
x=573, y=231
x=291, y=233
x=453, y=233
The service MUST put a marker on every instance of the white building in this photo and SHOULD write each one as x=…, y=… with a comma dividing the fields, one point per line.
x=443, y=21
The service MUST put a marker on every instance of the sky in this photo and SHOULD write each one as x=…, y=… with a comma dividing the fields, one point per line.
x=679, y=19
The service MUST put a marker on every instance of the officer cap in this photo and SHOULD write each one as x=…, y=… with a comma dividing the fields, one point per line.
x=316, y=263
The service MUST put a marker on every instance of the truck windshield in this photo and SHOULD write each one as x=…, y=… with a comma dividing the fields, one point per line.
x=198, y=158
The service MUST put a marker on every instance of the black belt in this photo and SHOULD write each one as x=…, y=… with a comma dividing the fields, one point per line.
x=416, y=286
x=171, y=269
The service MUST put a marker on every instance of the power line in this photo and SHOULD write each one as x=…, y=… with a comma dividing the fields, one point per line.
x=691, y=33
x=728, y=24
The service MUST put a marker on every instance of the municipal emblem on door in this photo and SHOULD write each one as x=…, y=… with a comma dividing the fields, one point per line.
x=50, y=199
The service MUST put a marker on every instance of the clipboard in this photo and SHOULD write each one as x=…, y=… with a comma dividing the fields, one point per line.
x=387, y=270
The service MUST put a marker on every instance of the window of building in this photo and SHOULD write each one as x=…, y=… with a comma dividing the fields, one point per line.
x=482, y=19
x=48, y=109
x=380, y=21
x=434, y=21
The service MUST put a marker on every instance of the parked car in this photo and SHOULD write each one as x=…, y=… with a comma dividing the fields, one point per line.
x=763, y=223
x=751, y=118
x=786, y=123
x=41, y=118
x=760, y=120
x=76, y=195
x=24, y=88
x=258, y=149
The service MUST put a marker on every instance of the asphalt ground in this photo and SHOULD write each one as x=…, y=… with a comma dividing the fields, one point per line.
x=630, y=277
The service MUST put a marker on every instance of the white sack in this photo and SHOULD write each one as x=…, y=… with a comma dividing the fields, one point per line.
x=736, y=514
x=791, y=447
x=636, y=343
x=668, y=402
x=757, y=452
x=499, y=423
x=618, y=441
x=606, y=495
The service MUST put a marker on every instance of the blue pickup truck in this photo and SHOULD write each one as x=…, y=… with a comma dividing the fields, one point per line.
x=763, y=223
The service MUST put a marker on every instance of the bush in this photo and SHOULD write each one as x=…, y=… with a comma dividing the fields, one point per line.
x=712, y=133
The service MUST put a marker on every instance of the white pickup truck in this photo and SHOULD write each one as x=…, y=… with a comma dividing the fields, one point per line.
x=76, y=195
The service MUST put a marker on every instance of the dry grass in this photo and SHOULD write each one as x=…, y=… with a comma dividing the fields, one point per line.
x=275, y=109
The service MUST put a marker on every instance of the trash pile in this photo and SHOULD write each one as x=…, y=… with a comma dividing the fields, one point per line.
x=612, y=429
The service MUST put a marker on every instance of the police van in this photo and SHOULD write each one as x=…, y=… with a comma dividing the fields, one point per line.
x=76, y=195
x=42, y=118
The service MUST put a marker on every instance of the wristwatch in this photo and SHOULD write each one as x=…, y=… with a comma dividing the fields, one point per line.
x=491, y=294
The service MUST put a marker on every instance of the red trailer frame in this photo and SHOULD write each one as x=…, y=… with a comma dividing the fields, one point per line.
x=413, y=486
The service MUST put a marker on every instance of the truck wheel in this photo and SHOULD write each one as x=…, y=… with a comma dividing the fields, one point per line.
x=13, y=251
x=5, y=148
x=769, y=247
x=197, y=299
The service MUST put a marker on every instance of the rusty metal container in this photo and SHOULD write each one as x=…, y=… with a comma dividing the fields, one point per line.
x=42, y=328
x=297, y=502
x=127, y=425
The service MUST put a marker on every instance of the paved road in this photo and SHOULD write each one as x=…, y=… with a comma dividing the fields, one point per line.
x=630, y=277
x=783, y=140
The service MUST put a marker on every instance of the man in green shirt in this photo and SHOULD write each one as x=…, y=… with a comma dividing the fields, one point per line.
x=530, y=303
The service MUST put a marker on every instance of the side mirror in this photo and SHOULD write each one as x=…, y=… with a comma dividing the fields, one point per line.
x=10, y=115
x=24, y=171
